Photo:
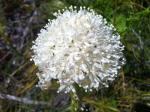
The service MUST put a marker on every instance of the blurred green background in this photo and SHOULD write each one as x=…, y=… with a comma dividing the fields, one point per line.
x=20, y=22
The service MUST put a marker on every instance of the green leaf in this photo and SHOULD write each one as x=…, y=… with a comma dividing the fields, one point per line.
x=120, y=22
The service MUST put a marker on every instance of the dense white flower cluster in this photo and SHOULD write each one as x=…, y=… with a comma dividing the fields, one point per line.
x=80, y=47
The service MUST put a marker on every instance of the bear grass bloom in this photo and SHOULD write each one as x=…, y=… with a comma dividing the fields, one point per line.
x=79, y=46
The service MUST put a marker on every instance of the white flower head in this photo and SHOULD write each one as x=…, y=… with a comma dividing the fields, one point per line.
x=79, y=46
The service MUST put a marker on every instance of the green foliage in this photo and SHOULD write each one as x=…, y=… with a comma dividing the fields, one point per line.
x=121, y=23
x=17, y=74
x=103, y=105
